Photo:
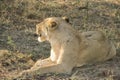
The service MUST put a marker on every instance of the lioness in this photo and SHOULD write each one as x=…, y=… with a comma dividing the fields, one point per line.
x=69, y=48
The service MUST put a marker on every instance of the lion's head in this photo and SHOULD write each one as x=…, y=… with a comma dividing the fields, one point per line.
x=49, y=25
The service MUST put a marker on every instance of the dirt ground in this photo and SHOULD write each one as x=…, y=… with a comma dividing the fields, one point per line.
x=19, y=48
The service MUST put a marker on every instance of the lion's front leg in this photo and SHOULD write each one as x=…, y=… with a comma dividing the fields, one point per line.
x=41, y=63
x=46, y=66
x=51, y=67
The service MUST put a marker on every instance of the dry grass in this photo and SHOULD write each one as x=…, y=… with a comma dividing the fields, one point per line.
x=19, y=48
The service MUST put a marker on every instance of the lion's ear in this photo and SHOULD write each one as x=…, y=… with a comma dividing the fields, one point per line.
x=53, y=25
x=66, y=19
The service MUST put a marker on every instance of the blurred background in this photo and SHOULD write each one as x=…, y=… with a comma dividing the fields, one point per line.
x=19, y=48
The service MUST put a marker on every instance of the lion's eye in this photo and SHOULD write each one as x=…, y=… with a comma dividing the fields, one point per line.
x=40, y=35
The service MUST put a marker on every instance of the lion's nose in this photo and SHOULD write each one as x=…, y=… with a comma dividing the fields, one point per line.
x=35, y=35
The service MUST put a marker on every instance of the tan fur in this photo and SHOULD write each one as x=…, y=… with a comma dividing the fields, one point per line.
x=69, y=48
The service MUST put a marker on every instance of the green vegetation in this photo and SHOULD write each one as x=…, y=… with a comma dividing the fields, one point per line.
x=19, y=49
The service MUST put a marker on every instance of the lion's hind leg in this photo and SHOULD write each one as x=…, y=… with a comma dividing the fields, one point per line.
x=94, y=35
